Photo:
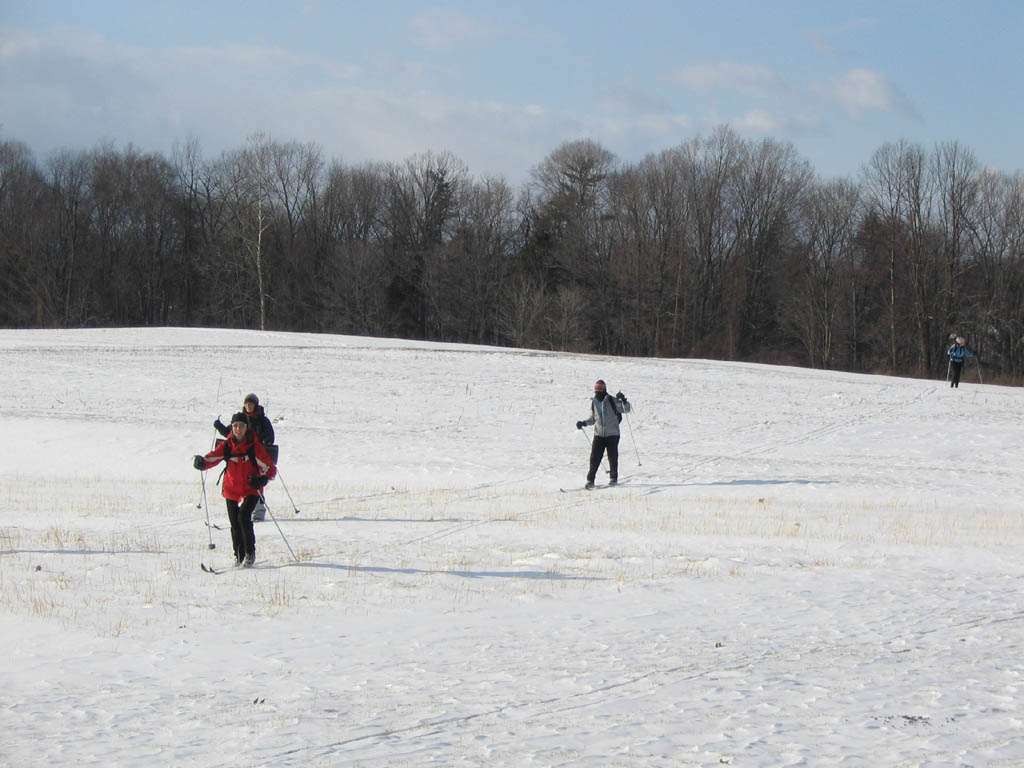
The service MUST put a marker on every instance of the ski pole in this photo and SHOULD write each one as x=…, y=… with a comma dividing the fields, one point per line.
x=977, y=362
x=212, y=446
x=583, y=432
x=271, y=512
x=633, y=438
x=215, y=432
x=948, y=364
x=209, y=532
x=287, y=491
x=203, y=504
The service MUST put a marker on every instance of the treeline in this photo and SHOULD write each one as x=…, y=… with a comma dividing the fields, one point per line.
x=719, y=247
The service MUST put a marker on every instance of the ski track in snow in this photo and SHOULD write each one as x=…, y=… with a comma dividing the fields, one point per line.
x=807, y=568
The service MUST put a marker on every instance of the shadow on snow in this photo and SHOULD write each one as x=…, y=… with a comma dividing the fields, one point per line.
x=539, y=575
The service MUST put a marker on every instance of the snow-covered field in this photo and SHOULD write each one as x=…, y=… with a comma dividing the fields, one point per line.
x=803, y=567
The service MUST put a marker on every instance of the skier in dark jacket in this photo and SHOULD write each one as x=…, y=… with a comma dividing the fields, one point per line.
x=256, y=418
x=249, y=468
x=957, y=352
x=605, y=414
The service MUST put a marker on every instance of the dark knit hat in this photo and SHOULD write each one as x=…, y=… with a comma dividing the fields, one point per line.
x=599, y=386
x=251, y=398
x=240, y=417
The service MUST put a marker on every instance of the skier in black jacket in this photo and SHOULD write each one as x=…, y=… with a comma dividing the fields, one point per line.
x=258, y=421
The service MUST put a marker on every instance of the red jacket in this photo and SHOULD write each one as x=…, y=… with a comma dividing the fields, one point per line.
x=241, y=465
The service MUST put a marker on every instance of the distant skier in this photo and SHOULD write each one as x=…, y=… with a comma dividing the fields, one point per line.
x=257, y=419
x=260, y=424
x=605, y=413
x=249, y=468
x=957, y=352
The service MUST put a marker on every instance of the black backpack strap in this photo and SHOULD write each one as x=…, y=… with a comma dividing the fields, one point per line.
x=615, y=408
x=228, y=455
x=250, y=454
x=225, y=448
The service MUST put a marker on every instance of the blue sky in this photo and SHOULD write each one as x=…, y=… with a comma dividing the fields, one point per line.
x=501, y=84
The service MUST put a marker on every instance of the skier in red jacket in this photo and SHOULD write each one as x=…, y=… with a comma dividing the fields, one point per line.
x=249, y=468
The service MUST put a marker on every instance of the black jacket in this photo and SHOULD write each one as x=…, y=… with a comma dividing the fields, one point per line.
x=258, y=422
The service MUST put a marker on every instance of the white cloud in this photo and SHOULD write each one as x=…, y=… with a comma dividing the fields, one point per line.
x=627, y=98
x=821, y=39
x=14, y=42
x=663, y=125
x=758, y=121
x=440, y=29
x=751, y=80
x=72, y=89
x=764, y=122
x=861, y=90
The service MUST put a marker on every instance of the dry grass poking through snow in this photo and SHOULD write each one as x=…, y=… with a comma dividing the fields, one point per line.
x=376, y=545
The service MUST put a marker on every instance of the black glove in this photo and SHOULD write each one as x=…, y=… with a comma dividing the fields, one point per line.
x=580, y=425
x=198, y=462
x=219, y=426
x=259, y=481
x=621, y=397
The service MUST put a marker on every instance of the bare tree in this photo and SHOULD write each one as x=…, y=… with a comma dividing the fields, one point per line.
x=565, y=319
x=247, y=185
x=997, y=245
x=299, y=251
x=827, y=225
x=351, y=293
x=571, y=203
x=649, y=206
x=31, y=285
x=522, y=311
x=956, y=173
x=135, y=238
x=902, y=194
x=709, y=167
x=421, y=205
x=205, y=219
x=768, y=185
x=480, y=257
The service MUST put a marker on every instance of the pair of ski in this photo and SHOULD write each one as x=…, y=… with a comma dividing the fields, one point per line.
x=592, y=488
x=217, y=571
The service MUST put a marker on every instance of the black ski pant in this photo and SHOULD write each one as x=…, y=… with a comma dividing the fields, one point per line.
x=243, y=537
x=597, y=449
x=955, y=369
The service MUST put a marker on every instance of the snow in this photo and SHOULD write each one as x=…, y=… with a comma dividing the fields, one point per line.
x=803, y=568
